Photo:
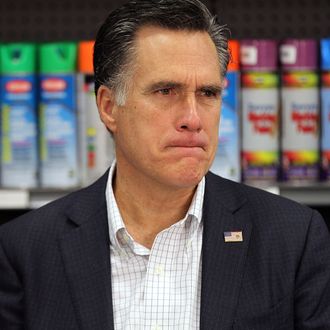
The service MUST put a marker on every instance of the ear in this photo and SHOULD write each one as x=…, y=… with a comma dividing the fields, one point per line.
x=107, y=107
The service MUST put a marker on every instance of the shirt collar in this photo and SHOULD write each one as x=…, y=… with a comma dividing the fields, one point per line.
x=116, y=222
x=114, y=218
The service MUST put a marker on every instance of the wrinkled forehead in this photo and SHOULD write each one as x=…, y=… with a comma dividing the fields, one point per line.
x=153, y=43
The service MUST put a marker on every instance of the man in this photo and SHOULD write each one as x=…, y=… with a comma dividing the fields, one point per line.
x=158, y=242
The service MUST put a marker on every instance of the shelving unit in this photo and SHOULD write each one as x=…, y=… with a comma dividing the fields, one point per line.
x=29, y=199
x=312, y=195
x=318, y=195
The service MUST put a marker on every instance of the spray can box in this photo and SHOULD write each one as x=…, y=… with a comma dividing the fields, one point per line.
x=19, y=158
x=96, y=144
x=260, y=112
x=325, y=109
x=300, y=111
x=58, y=115
x=227, y=159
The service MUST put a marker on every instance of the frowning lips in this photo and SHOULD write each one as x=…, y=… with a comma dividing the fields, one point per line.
x=188, y=142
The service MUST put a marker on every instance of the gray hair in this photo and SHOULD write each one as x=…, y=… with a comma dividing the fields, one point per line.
x=114, y=48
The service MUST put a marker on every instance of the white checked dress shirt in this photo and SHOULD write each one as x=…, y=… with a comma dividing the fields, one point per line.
x=158, y=288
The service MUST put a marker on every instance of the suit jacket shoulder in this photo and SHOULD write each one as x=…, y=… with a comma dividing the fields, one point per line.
x=52, y=219
x=55, y=265
x=266, y=209
x=278, y=274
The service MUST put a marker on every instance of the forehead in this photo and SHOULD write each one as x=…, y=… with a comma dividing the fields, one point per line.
x=165, y=52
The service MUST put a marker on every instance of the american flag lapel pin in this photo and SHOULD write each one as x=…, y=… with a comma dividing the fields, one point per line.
x=233, y=236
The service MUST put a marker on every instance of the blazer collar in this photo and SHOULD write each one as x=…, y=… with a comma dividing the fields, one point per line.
x=88, y=201
x=222, y=262
x=85, y=252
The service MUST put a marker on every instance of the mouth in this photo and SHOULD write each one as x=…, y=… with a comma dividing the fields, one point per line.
x=188, y=144
x=188, y=149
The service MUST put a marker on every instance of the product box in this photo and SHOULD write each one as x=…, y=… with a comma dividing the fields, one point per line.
x=58, y=116
x=227, y=158
x=19, y=158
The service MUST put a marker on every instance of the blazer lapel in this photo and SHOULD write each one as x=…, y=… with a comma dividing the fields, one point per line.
x=86, y=257
x=222, y=262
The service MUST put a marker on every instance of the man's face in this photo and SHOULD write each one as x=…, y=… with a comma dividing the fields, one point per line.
x=167, y=131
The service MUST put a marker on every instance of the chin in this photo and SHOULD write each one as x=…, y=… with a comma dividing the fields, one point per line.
x=189, y=175
x=188, y=182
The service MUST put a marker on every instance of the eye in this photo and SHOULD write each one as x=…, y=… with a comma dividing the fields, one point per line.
x=165, y=91
x=210, y=93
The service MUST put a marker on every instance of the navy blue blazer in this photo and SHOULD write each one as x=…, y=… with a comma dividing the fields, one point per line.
x=55, y=263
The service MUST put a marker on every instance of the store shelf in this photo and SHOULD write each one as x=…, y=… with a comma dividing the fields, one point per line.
x=318, y=195
x=29, y=199
x=312, y=195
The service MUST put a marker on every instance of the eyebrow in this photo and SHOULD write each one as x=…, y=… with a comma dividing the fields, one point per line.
x=212, y=88
x=216, y=88
x=163, y=84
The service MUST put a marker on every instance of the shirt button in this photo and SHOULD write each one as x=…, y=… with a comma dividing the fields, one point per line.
x=159, y=270
x=126, y=238
x=156, y=327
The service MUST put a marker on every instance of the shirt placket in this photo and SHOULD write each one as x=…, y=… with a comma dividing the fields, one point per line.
x=161, y=303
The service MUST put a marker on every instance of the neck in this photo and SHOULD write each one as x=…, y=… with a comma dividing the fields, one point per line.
x=147, y=209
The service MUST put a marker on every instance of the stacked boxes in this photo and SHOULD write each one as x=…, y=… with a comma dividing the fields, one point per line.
x=227, y=159
x=300, y=111
x=58, y=116
x=260, y=111
x=19, y=156
x=95, y=142
x=325, y=107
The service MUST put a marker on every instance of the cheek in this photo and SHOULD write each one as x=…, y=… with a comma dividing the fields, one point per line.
x=143, y=128
x=211, y=125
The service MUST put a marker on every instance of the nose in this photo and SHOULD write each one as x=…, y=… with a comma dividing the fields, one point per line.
x=188, y=115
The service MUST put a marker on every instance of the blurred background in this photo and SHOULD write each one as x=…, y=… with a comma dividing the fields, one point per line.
x=43, y=22
x=52, y=20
